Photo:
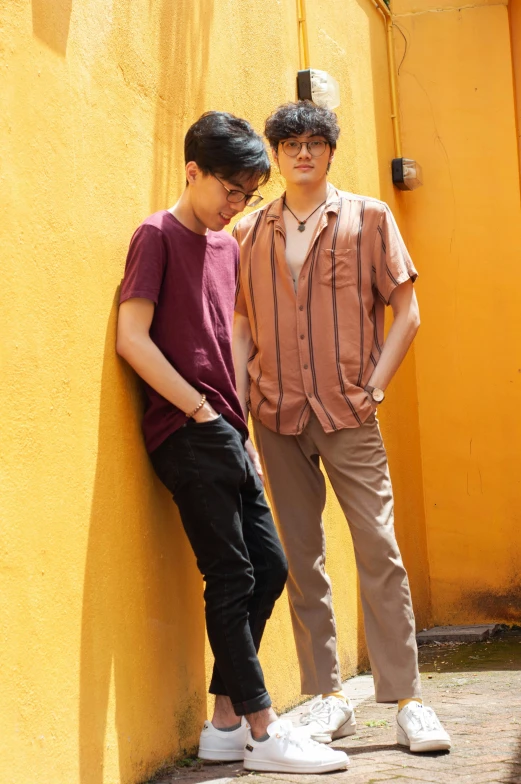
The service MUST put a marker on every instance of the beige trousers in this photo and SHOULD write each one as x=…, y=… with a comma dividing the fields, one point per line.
x=356, y=464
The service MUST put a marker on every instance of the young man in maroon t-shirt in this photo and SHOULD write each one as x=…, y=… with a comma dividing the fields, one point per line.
x=174, y=328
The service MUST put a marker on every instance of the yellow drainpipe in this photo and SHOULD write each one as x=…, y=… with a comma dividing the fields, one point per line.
x=302, y=35
x=381, y=6
x=304, y=61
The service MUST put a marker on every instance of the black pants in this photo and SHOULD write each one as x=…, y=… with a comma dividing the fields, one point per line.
x=231, y=530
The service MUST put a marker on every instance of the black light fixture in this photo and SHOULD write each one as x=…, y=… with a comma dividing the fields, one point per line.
x=319, y=87
x=407, y=174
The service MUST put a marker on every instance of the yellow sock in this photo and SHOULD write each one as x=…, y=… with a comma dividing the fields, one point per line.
x=339, y=694
x=403, y=703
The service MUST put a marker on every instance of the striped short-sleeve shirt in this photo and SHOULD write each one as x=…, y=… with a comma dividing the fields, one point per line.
x=315, y=348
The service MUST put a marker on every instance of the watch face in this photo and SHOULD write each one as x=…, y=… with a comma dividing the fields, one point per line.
x=378, y=395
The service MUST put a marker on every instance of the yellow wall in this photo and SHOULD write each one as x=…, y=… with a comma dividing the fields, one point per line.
x=514, y=8
x=102, y=660
x=464, y=227
x=103, y=664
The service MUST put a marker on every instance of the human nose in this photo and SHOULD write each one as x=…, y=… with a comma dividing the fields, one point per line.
x=304, y=152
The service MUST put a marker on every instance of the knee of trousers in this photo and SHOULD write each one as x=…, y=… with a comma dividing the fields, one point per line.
x=382, y=574
x=233, y=585
x=276, y=576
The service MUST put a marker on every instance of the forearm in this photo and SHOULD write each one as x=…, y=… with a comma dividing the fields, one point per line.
x=151, y=364
x=397, y=344
x=242, y=347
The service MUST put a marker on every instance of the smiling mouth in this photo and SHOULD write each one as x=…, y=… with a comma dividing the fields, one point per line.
x=226, y=217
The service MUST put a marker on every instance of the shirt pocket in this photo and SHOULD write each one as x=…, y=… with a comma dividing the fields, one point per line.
x=337, y=267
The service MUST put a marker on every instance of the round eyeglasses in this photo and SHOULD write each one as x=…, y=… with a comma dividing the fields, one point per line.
x=236, y=196
x=315, y=148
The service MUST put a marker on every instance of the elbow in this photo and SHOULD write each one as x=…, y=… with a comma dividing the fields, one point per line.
x=123, y=345
x=413, y=317
x=120, y=344
x=415, y=322
x=120, y=347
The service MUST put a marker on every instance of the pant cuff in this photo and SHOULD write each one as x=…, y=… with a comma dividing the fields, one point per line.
x=217, y=689
x=252, y=706
x=307, y=688
x=382, y=699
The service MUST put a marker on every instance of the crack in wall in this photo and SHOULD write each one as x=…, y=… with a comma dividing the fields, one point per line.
x=450, y=9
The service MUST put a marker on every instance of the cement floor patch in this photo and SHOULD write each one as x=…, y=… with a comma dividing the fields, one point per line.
x=457, y=633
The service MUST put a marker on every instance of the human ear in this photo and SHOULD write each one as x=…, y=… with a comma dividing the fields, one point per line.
x=191, y=171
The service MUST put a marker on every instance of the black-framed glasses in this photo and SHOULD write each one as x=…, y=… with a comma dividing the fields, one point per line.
x=292, y=147
x=236, y=196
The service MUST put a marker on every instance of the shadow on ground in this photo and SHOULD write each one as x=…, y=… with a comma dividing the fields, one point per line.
x=476, y=691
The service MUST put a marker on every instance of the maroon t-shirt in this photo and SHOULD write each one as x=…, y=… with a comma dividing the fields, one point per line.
x=191, y=279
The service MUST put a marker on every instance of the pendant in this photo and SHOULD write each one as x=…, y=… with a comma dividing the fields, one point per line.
x=302, y=227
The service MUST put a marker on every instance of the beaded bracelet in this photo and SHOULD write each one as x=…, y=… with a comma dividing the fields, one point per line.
x=197, y=408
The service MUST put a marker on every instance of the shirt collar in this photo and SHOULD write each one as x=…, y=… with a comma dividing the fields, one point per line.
x=275, y=209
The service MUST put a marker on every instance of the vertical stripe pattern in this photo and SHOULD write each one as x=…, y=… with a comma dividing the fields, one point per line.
x=317, y=347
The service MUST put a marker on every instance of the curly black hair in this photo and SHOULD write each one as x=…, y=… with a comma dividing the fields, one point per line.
x=223, y=144
x=294, y=119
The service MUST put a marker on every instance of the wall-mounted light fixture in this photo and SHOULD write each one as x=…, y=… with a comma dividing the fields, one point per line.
x=407, y=174
x=319, y=87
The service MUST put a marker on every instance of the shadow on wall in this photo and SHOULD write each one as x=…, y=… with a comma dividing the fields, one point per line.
x=51, y=23
x=142, y=674
x=142, y=641
x=183, y=51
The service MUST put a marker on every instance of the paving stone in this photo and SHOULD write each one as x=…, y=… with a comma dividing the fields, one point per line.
x=482, y=712
x=457, y=633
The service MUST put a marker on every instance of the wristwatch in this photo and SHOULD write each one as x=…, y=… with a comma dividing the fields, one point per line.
x=377, y=395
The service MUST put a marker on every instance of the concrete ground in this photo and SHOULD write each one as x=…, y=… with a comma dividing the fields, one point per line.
x=476, y=692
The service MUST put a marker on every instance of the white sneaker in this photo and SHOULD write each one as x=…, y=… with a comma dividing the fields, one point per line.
x=291, y=751
x=219, y=746
x=330, y=719
x=419, y=728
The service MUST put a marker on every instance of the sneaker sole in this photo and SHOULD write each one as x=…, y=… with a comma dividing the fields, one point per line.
x=281, y=767
x=218, y=755
x=346, y=729
x=439, y=744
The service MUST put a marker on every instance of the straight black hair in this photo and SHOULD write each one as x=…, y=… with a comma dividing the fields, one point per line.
x=295, y=119
x=223, y=144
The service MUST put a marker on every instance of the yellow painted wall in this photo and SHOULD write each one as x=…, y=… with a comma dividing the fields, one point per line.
x=464, y=226
x=102, y=659
x=514, y=8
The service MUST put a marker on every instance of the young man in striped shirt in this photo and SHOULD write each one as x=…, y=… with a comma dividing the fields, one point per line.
x=317, y=268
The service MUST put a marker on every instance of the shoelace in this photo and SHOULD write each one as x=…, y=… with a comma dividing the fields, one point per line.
x=320, y=710
x=287, y=734
x=425, y=718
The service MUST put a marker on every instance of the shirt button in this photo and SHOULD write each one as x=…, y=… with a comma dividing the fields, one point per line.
x=305, y=367
x=310, y=394
x=302, y=277
x=302, y=337
x=301, y=307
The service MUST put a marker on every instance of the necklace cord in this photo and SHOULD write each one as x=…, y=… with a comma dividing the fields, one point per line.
x=302, y=222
